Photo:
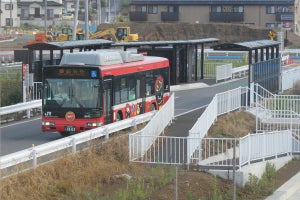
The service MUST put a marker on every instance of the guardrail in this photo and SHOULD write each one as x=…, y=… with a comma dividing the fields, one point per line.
x=139, y=142
x=21, y=107
x=11, y=64
x=240, y=71
x=32, y=154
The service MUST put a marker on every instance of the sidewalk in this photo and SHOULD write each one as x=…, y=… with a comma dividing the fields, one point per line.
x=288, y=191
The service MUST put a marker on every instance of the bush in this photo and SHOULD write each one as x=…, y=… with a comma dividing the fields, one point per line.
x=11, y=92
x=265, y=185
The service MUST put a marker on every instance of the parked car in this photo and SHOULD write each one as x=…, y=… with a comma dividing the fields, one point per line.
x=67, y=16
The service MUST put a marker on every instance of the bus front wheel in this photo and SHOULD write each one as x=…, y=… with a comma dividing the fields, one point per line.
x=152, y=107
x=65, y=134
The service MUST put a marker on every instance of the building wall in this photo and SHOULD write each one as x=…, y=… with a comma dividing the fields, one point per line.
x=6, y=14
x=194, y=14
x=252, y=14
x=256, y=15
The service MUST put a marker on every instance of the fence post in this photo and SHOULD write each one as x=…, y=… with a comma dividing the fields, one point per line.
x=240, y=153
x=106, y=134
x=73, y=145
x=249, y=148
x=28, y=113
x=233, y=171
x=129, y=145
x=133, y=123
x=34, y=157
x=188, y=145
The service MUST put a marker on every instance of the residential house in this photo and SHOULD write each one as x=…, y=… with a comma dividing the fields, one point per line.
x=34, y=11
x=69, y=5
x=260, y=13
x=8, y=13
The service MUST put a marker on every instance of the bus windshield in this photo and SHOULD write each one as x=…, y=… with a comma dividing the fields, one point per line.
x=71, y=93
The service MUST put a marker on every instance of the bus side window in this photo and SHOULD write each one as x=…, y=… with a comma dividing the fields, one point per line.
x=120, y=90
x=124, y=90
x=165, y=74
x=149, y=83
x=117, y=90
x=131, y=88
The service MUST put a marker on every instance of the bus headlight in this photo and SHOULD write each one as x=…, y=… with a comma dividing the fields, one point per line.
x=46, y=123
x=93, y=124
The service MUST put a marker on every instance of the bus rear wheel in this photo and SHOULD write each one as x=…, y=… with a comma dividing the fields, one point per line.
x=152, y=107
x=118, y=117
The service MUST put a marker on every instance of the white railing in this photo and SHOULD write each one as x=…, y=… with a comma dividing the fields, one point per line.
x=34, y=92
x=139, y=142
x=289, y=78
x=222, y=103
x=219, y=152
x=71, y=142
x=20, y=107
x=223, y=72
x=260, y=146
x=17, y=65
x=240, y=71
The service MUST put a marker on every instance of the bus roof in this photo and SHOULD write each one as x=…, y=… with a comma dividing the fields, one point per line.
x=100, y=58
x=114, y=62
x=149, y=63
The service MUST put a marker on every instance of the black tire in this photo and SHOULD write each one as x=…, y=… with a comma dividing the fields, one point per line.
x=118, y=117
x=65, y=134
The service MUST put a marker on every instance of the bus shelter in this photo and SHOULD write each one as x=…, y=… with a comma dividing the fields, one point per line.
x=263, y=61
x=50, y=53
x=185, y=64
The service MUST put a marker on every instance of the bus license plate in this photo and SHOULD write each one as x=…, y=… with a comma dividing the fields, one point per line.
x=70, y=128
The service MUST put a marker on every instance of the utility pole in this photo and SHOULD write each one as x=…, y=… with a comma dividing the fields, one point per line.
x=108, y=11
x=99, y=11
x=10, y=17
x=0, y=13
x=75, y=20
x=86, y=19
x=45, y=22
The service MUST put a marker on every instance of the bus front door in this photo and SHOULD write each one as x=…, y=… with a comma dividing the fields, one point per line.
x=107, y=98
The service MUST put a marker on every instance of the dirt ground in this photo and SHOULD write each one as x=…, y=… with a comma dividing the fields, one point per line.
x=226, y=33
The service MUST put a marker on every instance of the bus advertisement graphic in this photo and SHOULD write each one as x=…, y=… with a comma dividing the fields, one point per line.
x=159, y=87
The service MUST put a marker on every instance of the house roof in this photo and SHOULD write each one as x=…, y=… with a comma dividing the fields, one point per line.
x=41, y=3
x=213, y=2
x=246, y=46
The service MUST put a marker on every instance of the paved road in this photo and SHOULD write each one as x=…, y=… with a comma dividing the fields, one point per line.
x=21, y=135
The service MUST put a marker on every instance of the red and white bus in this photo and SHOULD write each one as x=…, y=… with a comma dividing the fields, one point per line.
x=90, y=89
